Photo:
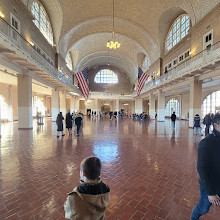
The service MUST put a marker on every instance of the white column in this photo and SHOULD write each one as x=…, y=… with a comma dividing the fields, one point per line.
x=180, y=107
x=195, y=100
x=11, y=103
x=72, y=104
x=152, y=106
x=55, y=104
x=76, y=104
x=0, y=122
x=161, y=106
x=138, y=106
x=117, y=108
x=63, y=103
x=25, y=118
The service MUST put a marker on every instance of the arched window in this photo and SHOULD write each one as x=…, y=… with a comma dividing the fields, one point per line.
x=5, y=109
x=69, y=61
x=211, y=104
x=178, y=30
x=42, y=21
x=173, y=105
x=106, y=76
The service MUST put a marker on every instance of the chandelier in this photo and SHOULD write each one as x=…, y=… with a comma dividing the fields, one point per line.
x=113, y=44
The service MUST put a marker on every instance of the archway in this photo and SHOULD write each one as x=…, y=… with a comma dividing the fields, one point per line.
x=173, y=105
x=211, y=104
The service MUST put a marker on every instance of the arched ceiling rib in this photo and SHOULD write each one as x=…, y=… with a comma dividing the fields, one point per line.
x=101, y=25
x=114, y=59
x=144, y=23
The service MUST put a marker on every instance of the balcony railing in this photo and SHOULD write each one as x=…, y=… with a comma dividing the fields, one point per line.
x=202, y=59
x=9, y=34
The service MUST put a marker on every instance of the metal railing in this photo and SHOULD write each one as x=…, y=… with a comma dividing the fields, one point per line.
x=201, y=59
x=10, y=35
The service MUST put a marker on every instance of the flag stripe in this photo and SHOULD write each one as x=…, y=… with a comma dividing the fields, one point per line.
x=141, y=82
x=80, y=84
x=83, y=84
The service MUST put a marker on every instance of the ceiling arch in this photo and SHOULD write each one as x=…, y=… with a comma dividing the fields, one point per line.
x=117, y=60
x=99, y=25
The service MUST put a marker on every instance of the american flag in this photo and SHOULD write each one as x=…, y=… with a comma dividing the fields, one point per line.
x=142, y=77
x=82, y=78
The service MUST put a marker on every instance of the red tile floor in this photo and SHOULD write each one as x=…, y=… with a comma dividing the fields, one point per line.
x=150, y=169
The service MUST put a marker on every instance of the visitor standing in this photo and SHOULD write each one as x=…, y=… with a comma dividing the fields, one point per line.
x=78, y=122
x=69, y=123
x=207, y=122
x=208, y=166
x=59, y=122
x=90, y=199
x=173, y=119
x=197, y=125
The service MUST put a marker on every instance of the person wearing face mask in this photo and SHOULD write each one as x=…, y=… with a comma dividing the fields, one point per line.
x=208, y=166
x=90, y=199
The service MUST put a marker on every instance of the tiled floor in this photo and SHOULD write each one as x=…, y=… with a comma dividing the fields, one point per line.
x=150, y=169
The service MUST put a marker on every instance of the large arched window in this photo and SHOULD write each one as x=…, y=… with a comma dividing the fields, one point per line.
x=106, y=76
x=211, y=104
x=178, y=30
x=42, y=21
x=173, y=105
x=69, y=61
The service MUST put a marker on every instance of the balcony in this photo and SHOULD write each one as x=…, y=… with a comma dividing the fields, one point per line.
x=204, y=61
x=14, y=47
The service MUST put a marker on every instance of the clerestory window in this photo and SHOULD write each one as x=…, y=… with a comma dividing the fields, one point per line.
x=106, y=76
x=42, y=21
x=178, y=30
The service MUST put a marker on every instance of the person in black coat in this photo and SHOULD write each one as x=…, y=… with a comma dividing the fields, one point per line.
x=69, y=123
x=207, y=122
x=173, y=119
x=78, y=122
x=208, y=166
x=59, y=122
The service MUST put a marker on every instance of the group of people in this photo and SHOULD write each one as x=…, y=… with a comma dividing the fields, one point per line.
x=90, y=199
x=70, y=119
x=207, y=121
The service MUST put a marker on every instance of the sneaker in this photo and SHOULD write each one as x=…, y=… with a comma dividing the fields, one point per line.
x=58, y=136
x=63, y=134
x=77, y=134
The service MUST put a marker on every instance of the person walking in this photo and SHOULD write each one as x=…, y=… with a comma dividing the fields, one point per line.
x=78, y=122
x=69, y=123
x=197, y=125
x=59, y=122
x=208, y=166
x=173, y=119
x=207, y=122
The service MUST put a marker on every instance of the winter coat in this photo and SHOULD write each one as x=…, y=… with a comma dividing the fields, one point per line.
x=196, y=121
x=173, y=117
x=59, y=122
x=89, y=205
x=78, y=120
x=208, y=164
x=69, y=120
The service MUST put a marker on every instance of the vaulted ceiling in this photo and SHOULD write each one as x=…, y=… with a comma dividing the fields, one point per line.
x=82, y=27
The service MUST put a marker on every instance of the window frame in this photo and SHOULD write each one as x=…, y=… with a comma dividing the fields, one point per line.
x=42, y=21
x=105, y=78
x=176, y=31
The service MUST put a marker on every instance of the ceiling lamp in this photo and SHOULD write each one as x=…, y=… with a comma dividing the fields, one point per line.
x=113, y=44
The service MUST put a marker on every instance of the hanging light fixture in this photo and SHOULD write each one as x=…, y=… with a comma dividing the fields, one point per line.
x=113, y=44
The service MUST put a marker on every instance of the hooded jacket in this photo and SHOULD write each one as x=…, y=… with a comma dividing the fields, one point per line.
x=85, y=206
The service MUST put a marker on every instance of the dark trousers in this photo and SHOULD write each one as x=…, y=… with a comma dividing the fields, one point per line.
x=203, y=206
x=207, y=129
x=77, y=128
